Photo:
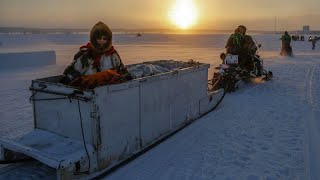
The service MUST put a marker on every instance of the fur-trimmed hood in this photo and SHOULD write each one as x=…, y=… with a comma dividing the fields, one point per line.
x=98, y=30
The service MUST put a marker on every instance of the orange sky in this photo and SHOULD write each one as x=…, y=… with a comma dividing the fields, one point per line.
x=153, y=14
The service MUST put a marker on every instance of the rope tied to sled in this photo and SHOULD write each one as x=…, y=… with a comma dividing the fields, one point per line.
x=70, y=96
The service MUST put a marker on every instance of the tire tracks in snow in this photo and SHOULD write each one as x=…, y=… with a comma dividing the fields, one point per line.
x=312, y=124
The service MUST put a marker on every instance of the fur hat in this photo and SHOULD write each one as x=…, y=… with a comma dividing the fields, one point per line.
x=98, y=30
x=244, y=28
x=238, y=30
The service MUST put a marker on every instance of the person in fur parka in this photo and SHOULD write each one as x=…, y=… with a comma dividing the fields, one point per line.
x=96, y=56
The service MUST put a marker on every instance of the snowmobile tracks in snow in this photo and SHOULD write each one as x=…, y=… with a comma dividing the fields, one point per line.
x=312, y=96
x=280, y=127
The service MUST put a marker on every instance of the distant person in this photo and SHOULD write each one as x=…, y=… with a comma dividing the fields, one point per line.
x=302, y=38
x=95, y=57
x=314, y=41
x=295, y=37
x=286, y=49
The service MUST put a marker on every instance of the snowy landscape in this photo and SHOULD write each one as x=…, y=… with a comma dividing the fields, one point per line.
x=263, y=131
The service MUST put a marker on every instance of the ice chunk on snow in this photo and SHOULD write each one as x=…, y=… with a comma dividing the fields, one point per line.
x=27, y=59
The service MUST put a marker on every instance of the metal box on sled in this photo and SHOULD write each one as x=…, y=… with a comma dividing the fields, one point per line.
x=81, y=134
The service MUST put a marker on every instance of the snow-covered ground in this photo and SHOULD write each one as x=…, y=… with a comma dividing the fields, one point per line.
x=265, y=130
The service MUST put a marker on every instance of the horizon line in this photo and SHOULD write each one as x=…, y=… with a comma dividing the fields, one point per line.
x=132, y=30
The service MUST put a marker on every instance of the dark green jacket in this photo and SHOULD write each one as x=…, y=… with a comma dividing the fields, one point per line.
x=235, y=39
x=286, y=39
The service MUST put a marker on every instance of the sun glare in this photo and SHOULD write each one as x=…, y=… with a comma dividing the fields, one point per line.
x=183, y=14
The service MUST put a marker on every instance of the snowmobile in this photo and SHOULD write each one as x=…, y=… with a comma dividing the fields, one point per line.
x=230, y=73
x=286, y=50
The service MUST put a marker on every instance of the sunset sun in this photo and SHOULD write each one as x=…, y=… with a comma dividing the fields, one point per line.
x=183, y=14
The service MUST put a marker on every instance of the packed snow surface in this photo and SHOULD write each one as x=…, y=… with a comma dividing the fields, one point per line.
x=265, y=130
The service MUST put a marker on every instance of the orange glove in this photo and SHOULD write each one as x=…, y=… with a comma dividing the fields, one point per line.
x=98, y=79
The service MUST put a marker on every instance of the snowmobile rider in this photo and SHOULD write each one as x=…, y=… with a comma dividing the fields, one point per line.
x=243, y=45
x=314, y=41
x=248, y=45
x=235, y=42
x=249, y=48
x=286, y=48
x=96, y=56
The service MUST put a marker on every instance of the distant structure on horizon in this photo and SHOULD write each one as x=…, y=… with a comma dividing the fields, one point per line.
x=306, y=29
